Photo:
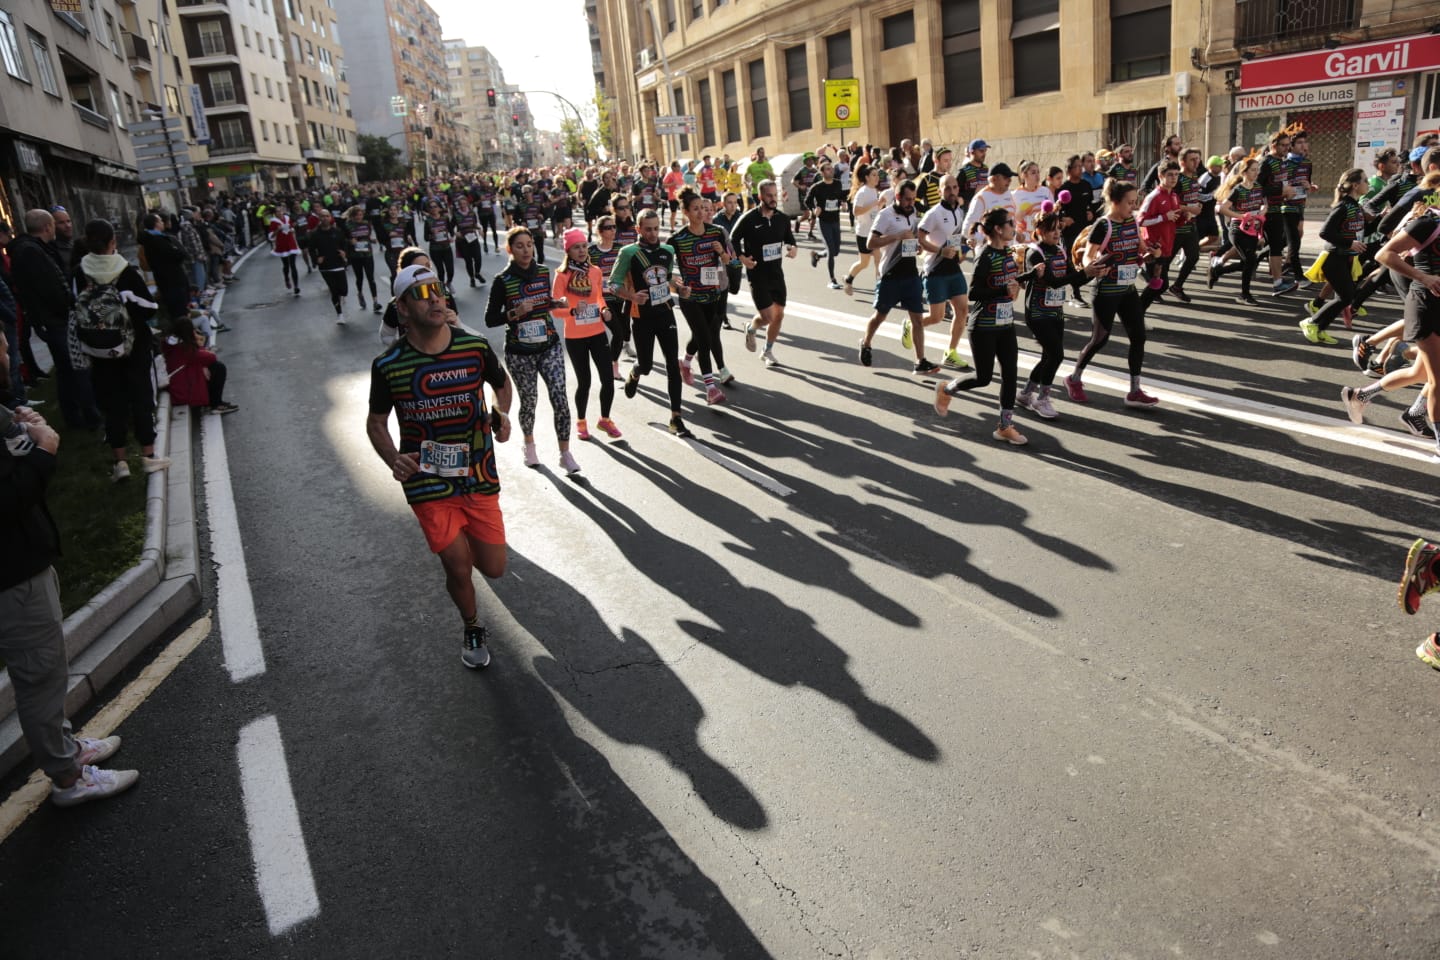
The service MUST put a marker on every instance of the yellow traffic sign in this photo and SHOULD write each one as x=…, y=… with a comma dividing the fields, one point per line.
x=842, y=104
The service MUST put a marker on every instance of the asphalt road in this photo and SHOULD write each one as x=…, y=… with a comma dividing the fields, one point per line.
x=837, y=678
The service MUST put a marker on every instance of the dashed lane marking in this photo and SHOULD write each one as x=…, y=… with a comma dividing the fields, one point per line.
x=282, y=865
x=239, y=632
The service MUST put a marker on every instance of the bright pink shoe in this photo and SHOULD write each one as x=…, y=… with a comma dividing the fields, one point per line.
x=1140, y=400
x=582, y=430
x=1075, y=390
x=687, y=373
x=608, y=425
x=714, y=395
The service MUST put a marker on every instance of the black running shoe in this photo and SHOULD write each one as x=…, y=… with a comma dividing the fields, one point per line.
x=677, y=427
x=1417, y=424
x=1360, y=352
x=865, y=357
x=1179, y=294
x=924, y=368
x=632, y=384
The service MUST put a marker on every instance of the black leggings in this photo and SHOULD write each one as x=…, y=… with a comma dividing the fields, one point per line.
x=126, y=397
x=1049, y=332
x=364, y=269
x=1293, y=222
x=1069, y=235
x=704, y=320
x=339, y=283
x=1249, y=249
x=619, y=326
x=470, y=254
x=489, y=222
x=987, y=344
x=215, y=386
x=442, y=255
x=1103, y=310
x=582, y=352
x=1188, y=243
x=1339, y=269
x=290, y=270
x=659, y=325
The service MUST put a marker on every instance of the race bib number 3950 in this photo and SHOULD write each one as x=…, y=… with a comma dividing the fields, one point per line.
x=445, y=459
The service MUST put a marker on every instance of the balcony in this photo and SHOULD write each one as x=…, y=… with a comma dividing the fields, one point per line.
x=230, y=150
x=1270, y=21
x=137, y=52
x=89, y=116
x=195, y=8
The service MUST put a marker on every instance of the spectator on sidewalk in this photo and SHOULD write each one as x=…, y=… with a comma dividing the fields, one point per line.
x=194, y=246
x=9, y=317
x=197, y=377
x=64, y=237
x=122, y=383
x=32, y=638
x=166, y=259
x=42, y=287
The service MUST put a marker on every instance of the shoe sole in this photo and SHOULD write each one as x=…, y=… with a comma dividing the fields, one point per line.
x=475, y=666
x=1355, y=411
x=750, y=339
x=1141, y=405
x=1412, y=565
x=88, y=797
x=1014, y=443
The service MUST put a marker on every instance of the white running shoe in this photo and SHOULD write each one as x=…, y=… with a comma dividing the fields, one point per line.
x=94, y=751
x=93, y=784
x=567, y=461
x=121, y=471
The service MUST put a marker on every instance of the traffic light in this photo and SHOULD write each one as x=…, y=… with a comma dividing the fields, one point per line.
x=514, y=119
x=490, y=96
x=429, y=133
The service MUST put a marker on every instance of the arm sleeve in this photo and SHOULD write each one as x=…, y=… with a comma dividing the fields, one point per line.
x=621, y=270
x=494, y=373
x=1100, y=233
x=495, y=309
x=973, y=215
x=1398, y=211
x=380, y=400
x=137, y=296
x=1146, y=217
x=1037, y=271
x=1332, y=230
x=980, y=288
x=1376, y=205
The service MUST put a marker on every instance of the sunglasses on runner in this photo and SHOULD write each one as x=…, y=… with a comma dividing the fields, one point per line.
x=426, y=291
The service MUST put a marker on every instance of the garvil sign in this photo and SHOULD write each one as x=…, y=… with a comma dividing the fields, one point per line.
x=1381, y=59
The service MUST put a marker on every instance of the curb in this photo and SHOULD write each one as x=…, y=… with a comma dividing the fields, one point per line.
x=138, y=607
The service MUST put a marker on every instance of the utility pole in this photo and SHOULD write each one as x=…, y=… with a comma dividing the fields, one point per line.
x=158, y=58
x=669, y=80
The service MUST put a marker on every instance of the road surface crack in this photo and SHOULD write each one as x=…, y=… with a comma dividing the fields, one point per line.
x=820, y=936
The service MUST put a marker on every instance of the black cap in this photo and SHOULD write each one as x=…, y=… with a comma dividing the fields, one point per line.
x=1001, y=170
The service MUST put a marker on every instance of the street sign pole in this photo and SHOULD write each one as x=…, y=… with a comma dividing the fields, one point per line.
x=159, y=60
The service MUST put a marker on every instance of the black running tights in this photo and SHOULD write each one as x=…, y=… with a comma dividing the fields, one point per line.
x=705, y=321
x=1049, y=332
x=1103, y=311
x=660, y=325
x=583, y=352
x=988, y=344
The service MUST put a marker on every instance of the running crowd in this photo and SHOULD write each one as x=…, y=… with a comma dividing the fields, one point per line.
x=974, y=243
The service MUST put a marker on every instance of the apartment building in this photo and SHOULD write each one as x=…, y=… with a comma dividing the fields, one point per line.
x=502, y=132
x=71, y=87
x=404, y=89
x=318, y=90
x=236, y=56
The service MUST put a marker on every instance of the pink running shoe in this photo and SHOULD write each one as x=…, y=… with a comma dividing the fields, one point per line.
x=1140, y=400
x=608, y=426
x=1075, y=390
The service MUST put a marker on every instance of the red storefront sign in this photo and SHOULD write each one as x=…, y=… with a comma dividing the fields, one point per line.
x=1381, y=59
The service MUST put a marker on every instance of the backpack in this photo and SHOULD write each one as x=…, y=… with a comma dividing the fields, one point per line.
x=101, y=323
x=1077, y=249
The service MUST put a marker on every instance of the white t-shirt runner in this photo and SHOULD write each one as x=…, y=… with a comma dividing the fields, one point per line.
x=983, y=202
x=941, y=227
x=890, y=221
x=864, y=221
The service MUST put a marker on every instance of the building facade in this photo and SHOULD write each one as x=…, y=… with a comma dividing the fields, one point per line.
x=404, y=89
x=1358, y=75
x=319, y=90
x=236, y=56
x=504, y=133
x=70, y=89
x=1033, y=77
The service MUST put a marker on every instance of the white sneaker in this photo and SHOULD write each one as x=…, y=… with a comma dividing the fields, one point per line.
x=95, y=751
x=1042, y=407
x=121, y=471
x=567, y=461
x=93, y=784
x=532, y=459
x=154, y=464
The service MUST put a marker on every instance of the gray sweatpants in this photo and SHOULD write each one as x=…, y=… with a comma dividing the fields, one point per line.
x=32, y=643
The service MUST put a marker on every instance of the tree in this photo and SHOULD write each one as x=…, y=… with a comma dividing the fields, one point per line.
x=604, y=125
x=382, y=158
x=575, y=142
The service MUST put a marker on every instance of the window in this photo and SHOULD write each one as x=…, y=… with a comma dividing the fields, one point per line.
x=1035, y=46
x=839, y=62
x=10, y=48
x=314, y=134
x=110, y=36
x=255, y=84
x=212, y=38
x=172, y=100
x=269, y=90
x=669, y=16
x=732, y=106
x=707, y=113
x=245, y=34
x=898, y=30
x=759, y=102
x=677, y=99
x=41, y=54
x=130, y=107
x=230, y=134
x=1263, y=21
x=309, y=53
x=797, y=86
x=222, y=88
x=290, y=9
x=264, y=131
x=289, y=135
x=115, y=106
x=295, y=42
x=280, y=91
x=81, y=86
x=960, y=28
x=697, y=10
x=1145, y=27
x=273, y=54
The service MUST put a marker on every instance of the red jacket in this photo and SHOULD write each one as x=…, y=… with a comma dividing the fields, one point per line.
x=187, y=365
x=1159, y=230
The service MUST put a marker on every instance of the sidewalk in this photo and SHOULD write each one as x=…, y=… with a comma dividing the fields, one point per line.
x=103, y=637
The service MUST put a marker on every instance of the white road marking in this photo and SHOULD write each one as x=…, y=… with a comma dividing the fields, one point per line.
x=234, y=605
x=282, y=867
x=715, y=456
x=1334, y=429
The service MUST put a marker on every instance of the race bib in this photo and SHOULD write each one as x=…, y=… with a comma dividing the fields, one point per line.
x=659, y=293
x=440, y=236
x=909, y=247
x=532, y=331
x=586, y=313
x=1005, y=312
x=832, y=206
x=532, y=223
x=397, y=243
x=772, y=251
x=709, y=276
x=471, y=237
x=1055, y=297
x=362, y=246
x=1299, y=192
x=956, y=241
x=1127, y=272
x=445, y=459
